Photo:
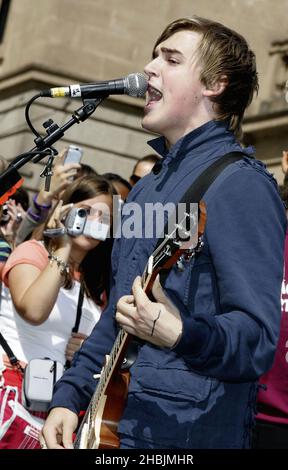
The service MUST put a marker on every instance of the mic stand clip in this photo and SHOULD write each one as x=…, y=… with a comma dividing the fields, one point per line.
x=48, y=170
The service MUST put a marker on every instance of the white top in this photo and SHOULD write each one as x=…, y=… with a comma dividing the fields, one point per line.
x=50, y=338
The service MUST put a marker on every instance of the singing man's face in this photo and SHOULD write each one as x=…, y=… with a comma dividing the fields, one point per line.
x=174, y=104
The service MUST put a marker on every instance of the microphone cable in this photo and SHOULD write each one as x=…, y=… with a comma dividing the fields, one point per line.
x=27, y=117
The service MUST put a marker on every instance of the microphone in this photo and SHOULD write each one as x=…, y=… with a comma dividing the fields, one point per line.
x=135, y=84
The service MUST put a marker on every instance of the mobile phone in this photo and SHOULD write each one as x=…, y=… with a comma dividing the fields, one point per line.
x=73, y=154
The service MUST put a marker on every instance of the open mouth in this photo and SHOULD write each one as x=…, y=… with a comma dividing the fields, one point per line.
x=153, y=94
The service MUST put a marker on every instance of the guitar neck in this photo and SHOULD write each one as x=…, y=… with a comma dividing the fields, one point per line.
x=112, y=366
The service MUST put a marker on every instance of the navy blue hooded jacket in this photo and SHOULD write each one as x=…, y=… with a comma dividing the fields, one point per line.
x=201, y=394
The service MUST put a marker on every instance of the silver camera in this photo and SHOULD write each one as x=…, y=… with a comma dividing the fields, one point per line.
x=75, y=221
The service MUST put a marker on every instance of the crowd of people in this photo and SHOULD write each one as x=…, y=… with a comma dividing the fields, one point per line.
x=206, y=335
x=54, y=289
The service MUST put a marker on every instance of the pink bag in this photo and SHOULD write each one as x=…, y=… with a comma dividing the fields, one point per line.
x=18, y=428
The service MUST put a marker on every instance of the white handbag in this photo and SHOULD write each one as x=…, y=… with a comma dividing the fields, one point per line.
x=40, y=376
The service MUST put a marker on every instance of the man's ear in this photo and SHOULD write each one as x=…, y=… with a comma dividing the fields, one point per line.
x=217, y=88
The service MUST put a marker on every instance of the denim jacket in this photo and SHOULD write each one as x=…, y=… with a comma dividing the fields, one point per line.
x=201, y=394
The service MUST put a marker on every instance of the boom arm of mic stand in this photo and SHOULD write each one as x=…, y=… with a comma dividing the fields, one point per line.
x=80, y=115
x=11, y=180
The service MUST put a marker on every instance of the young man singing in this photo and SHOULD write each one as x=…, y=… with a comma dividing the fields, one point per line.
x=211, y=329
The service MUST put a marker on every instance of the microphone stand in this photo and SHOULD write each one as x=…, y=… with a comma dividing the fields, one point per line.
x=10, y=180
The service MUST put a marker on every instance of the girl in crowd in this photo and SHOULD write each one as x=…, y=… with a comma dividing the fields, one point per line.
x=45, y=282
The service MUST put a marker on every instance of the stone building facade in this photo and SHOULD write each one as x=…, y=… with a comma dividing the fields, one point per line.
x=47, y=43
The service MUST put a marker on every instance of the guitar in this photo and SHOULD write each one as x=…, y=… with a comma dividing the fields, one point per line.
x=98, y=429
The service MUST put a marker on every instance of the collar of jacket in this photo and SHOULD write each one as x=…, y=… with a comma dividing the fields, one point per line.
x=199, y=137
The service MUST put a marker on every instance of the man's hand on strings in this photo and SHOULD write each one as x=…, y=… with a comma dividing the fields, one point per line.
x=157, y=322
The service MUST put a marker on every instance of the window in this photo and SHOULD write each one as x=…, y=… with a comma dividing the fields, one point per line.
x=280, y=49
x=276, y=78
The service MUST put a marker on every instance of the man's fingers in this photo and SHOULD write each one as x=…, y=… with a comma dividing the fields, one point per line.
x=158, y=292
x=122, y=319
x=125, y=300
x=59, y=427
x=138, y=292
x=48, y=439
x=68, y=435
x=126, y=309
x=128, y=299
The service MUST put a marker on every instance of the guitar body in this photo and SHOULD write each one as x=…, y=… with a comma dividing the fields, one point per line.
x=112, y=404
x=109, y=413
x=100, y=429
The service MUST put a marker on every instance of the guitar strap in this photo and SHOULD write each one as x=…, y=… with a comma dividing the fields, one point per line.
x=199, y=187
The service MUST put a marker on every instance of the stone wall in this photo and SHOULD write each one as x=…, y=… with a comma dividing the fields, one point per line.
x=56, y=42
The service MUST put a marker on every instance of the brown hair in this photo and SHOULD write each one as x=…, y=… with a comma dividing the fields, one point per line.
x=222, y=52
